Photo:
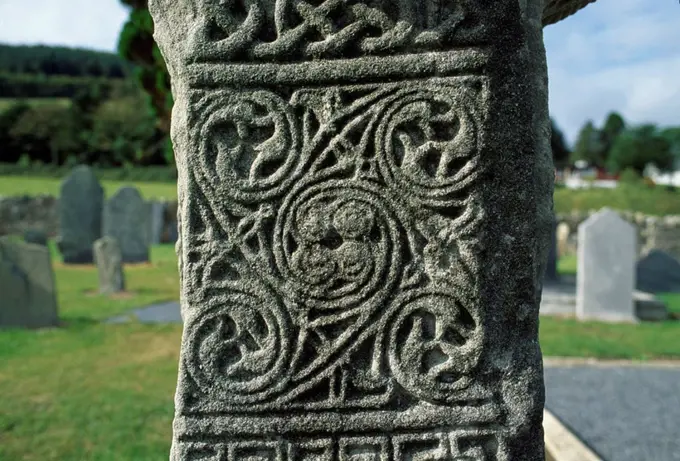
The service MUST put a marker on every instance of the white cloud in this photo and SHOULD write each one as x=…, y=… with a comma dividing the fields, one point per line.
x=83, y=23
x=621, y=55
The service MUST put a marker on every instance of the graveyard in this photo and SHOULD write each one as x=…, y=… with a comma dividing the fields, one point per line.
x=340, y=231
x=84, y=380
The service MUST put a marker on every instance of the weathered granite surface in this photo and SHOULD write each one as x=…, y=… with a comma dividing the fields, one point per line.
x=365, y=203
x=80, y=215
x=27, y=293
x=109, y=260
x=126, y=219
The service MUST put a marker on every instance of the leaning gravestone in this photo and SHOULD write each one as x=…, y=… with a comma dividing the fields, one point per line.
x=80, y=215
x=364, y=201
x=126, y=218
x=605, y=277
x=27, y=294
x=109, y=262
x=658, y=272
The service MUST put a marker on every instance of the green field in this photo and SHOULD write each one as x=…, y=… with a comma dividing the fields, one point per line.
x=20, y=185
x=89, y=391
x=6, y=103
x=648, y=200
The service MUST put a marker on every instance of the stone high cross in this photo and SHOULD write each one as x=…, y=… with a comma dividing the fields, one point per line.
x=365, y=207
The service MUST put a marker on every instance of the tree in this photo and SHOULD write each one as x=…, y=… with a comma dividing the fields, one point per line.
x=10, y=150
x=589, y=146
x=47, y=132
x=559, y=148
x=637, y=147
x=122, y=133
x=613, y=126
x=672, y=135
x=136, y=44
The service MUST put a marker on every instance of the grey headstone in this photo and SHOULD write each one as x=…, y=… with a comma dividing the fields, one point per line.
x=109, y=262
x=27, y=293
x=156, y=221
x=605, y=277
x=170, y=223
x=126, y=218
x=658, y=272
x=80, y=215
x=365, y=194
x=35, y=236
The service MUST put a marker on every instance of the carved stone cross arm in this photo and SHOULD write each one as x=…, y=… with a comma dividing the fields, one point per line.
x=365, y=203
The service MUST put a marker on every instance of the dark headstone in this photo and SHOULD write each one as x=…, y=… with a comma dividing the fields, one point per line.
x=80, y=215
x=658, y=272
x=126, y=219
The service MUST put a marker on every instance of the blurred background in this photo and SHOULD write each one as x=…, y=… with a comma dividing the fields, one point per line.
x=88, y=371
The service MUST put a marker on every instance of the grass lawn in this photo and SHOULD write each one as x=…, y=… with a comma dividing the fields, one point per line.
x=89, y=391
x=21, y=185
x=6, y=103
x=639, y=198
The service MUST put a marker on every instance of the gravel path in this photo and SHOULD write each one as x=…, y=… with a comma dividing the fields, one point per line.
x=158, y=313
x=623, y=413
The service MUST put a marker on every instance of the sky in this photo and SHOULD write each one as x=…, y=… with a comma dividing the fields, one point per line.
x=621, y=55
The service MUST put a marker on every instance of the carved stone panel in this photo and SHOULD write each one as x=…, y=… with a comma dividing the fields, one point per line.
x=363, y=218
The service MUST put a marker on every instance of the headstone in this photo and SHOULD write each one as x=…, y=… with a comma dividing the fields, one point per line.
x=27, y=293
x=109, y=262
x=562, y=235
x=126, y=218
x=364, y=203
x=605, y=277
x=35, y=236
x=156, y=221
x=551, y=267
x=170, y=223
x=658, y=272
x=80, y=215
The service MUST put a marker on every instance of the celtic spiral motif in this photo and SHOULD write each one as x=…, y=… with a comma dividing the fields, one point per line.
x=433, y=343
x=249, y=144
x=239, y=350
x=337, y=243
x=427, y=145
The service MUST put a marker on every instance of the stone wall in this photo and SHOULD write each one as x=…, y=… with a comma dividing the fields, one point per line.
x=661, y=232
x=18, y=214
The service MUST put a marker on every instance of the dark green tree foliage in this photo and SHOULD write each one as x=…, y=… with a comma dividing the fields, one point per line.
x=136, y=44
x=50, y=60
x=672, y=135
x=10, y=149
x=560, y=151
x=47, y=133
x=589, y=146
x=636, y=147
x=613, y=127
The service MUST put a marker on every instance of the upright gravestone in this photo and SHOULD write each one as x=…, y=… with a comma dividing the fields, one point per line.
x=551, y=266
x=80, y=215
x=365, y=209
x=605, y=278
x=27, y=294
x=109, y=262
x=126, y=218
x=562, y=235
x=156, y=221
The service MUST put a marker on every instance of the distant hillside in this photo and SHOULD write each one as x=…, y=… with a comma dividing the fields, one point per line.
x=62, y=61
